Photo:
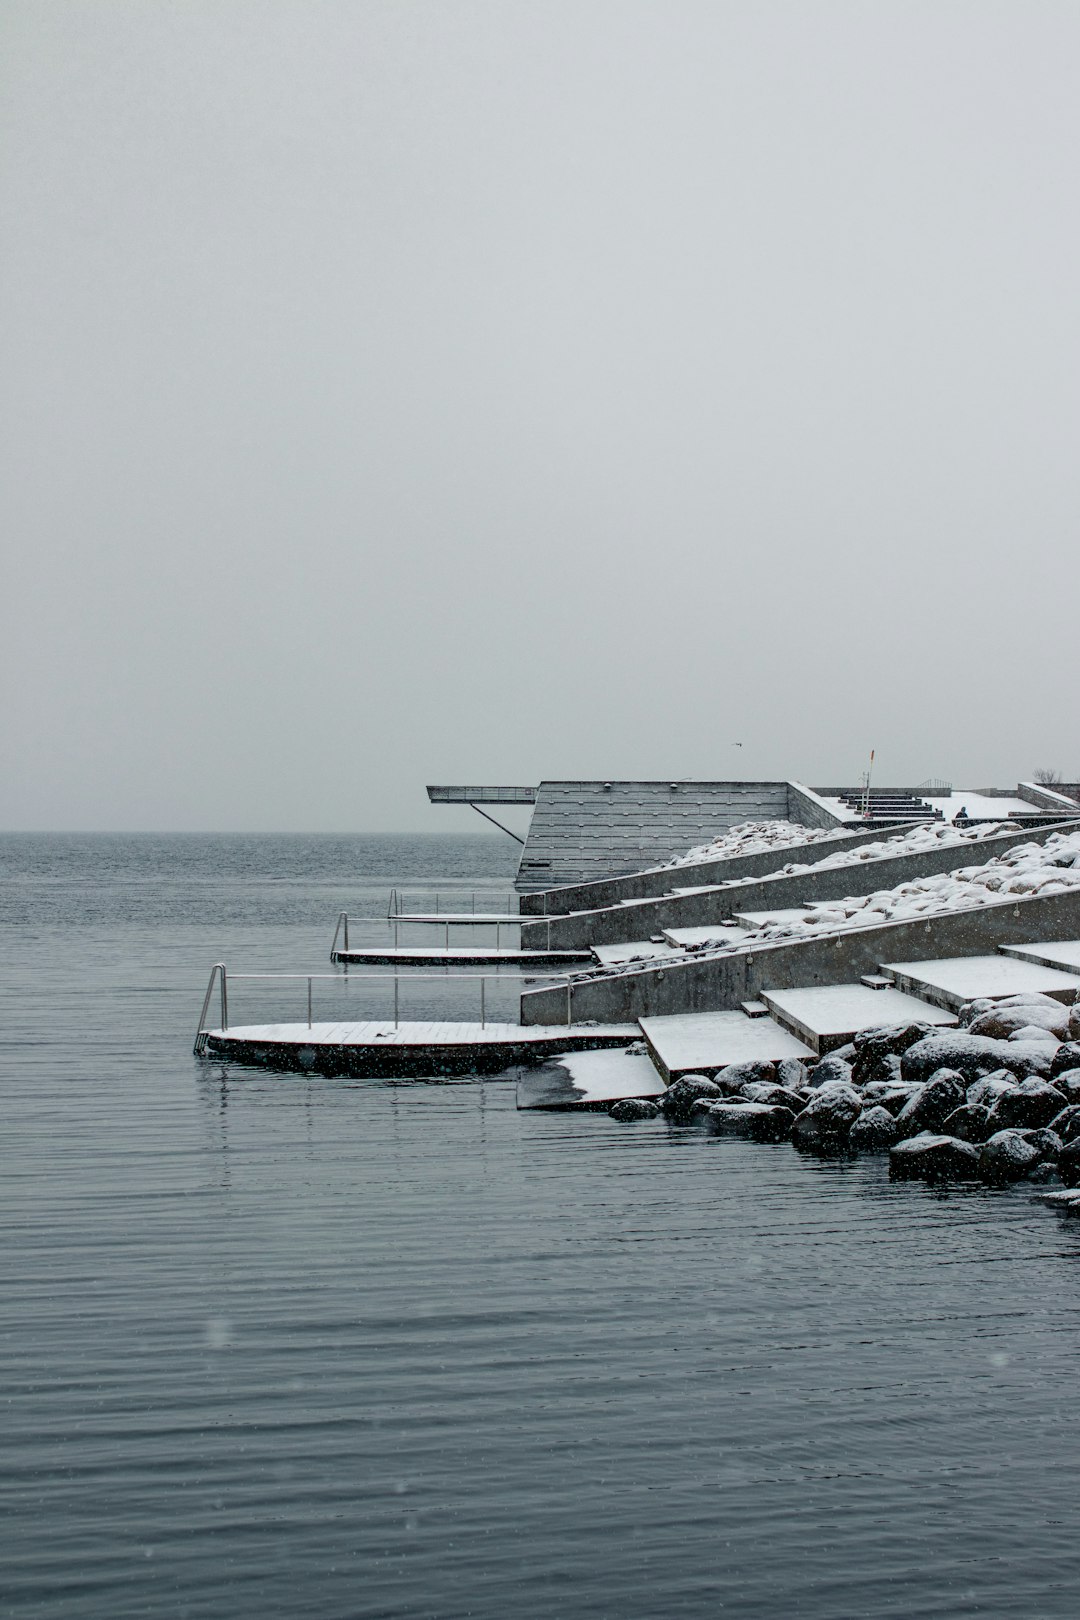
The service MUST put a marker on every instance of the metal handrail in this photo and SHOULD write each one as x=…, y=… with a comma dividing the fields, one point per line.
x=396, y=903
x=343, y=918
x=499, y=977
x=200, y=1033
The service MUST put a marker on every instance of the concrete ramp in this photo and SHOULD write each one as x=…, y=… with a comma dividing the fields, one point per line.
x=589, y=1080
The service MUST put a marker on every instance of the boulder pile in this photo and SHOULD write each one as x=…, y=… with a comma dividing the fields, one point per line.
x=996, y=1100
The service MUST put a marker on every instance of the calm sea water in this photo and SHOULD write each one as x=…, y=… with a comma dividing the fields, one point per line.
x=283, y=1346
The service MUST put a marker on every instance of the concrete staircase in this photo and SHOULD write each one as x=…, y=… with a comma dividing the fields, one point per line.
x=803, y=1023
x=889, y=804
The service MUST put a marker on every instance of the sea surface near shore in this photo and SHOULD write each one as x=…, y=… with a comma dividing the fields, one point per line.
x=279, y=1346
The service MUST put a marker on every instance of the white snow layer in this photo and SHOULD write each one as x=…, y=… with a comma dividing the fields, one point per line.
x=1026, y=869
x=1047, y=868
x=751, y=838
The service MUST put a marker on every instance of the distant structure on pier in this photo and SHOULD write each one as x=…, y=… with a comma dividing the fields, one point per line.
x=585, y=830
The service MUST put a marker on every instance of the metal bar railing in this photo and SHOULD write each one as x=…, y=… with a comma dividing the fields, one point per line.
x=446, y=900
x=342, y=922
x=200, y=1033
x=218, y=972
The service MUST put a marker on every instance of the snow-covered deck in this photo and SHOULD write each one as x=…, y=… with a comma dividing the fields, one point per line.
x=374, y=1049
x=951, y=981
x=684, y=1042
x=464, y=956
x=1062, y=953
x=589, y=1080
x=827, y=1016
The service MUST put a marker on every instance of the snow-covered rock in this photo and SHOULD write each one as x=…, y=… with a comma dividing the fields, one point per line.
x=1007, y=1156
x=874, y=1131
x=930, y=1157
x=828, y=1117
x=932, y=1104
x=758, y=1121
x=678, y=1101
x=633, y=1108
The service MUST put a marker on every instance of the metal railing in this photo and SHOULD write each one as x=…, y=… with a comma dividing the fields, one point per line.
x=219, y=971
x=341, y=928
x=398, y=900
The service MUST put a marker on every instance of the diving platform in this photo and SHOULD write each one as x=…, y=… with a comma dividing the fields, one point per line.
x=405, y=1050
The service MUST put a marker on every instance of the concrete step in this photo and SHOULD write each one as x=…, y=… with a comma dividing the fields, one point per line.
x=876, y=981
x=827, y=1016
x=951, y=981
x=758, y=919
x=1062, y=953
x=569, y=1082
x=634, y=950
x=693, y=1043
x=710, y=934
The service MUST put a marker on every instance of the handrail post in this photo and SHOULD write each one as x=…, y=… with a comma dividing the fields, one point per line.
x=224, y=998
x=345, y=914
x=483, y=1011
x=395, y=999
x=568, y=1003
x=309, y=1002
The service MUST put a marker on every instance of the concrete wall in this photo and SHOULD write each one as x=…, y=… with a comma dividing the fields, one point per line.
x=585, y=830
x=723, y=982
x=807, y=807
x=658, y=880
x=643, y=918
x=1044, y=798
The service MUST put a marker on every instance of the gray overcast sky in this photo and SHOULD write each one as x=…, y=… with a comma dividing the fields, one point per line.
x=448, y=391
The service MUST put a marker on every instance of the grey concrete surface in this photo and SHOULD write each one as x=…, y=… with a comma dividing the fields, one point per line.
x=723, y=982
x=641, y=919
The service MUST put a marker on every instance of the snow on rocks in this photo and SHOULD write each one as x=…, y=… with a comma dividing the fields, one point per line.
x=753, y=838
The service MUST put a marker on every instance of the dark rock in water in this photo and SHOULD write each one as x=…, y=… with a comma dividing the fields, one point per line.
x=873, y=1131
x=970, y=1055
x=1067, y=1123
x=877, y=1051
x=791, y=1074
x=775, y=1096
x=737, y=1075
x=929, y=1157
x=893, y=1098
x=826, y=1120
x=845, y=1053
x=758, y=1121
x=1065, y=1058
x=1007, y=1156
x=1069, y=1163
x=1048, y=1142
x=987, y=1090
x=677, y=1103
x=631, y=1108
x=932, y=1104
x=1032, y=1104
x=1044, y=1172
x=969, y=1123
x=828, y=1069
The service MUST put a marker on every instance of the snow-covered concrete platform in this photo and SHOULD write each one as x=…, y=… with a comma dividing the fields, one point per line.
x=454, y=956
x=589, y=1080
x=1062, y=953
x=951, y=981
x=827, y=1016
x=378, y=1050
x=712, y=934
x=683, y=1043
x=635, y=950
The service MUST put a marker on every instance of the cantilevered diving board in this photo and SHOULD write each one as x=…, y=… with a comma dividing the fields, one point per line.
x=476, y=796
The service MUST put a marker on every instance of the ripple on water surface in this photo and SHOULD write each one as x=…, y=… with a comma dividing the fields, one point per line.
x=275, y=1345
